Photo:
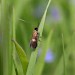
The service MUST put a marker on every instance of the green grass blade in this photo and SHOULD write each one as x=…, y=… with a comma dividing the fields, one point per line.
x=32, y=62
x=24, y=37
x=17, y=65
x=60, y=67
x=40, y=30
x=7, y=34
x=63, y=55
x=22, y=56
x=40, y=63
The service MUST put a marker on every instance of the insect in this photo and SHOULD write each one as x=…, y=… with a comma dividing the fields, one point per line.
x=33, y=42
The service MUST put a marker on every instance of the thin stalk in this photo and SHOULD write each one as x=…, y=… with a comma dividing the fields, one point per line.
x=13, y=34
x=63, y=56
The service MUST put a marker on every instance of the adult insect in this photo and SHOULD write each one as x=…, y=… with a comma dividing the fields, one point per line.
x=33, y=41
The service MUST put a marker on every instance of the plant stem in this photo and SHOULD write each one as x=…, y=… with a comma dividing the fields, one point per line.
x=63, y=55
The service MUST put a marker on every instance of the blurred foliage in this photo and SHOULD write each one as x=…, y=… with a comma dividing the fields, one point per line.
x=60, y=17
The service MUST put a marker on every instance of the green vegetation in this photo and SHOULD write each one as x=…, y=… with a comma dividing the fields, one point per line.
x=55, y=52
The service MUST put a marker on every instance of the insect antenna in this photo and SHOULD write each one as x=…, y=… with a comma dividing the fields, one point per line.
x=36, y=28
x=24, y=21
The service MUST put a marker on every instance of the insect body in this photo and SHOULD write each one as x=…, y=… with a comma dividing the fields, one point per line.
x=33, y=42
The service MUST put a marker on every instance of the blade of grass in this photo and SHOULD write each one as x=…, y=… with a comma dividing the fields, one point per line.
x=32, y=61
x=1, y=56
x=24, y=35
x=3, y=21
x=40, y=30
x=64, y=55
x=13, y=36
x=7, y=33
x=40, y=63
x=18, y=66
x=22, y=56
x=72, y=24
x=61, y=66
